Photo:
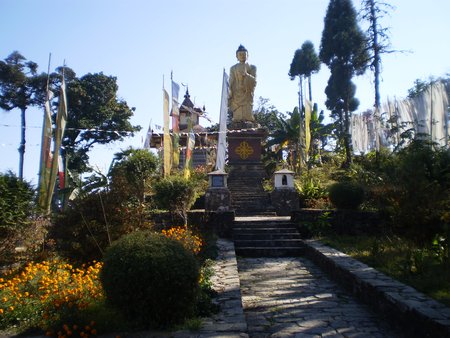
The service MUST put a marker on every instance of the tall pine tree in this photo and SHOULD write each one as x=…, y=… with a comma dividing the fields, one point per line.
x=19, y=82
x=343, y=50
x=378, y=42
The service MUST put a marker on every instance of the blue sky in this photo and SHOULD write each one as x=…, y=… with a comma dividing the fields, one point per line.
x=142, y=41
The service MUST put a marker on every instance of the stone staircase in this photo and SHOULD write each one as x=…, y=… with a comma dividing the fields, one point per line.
x=265, y=236
x=247, y=194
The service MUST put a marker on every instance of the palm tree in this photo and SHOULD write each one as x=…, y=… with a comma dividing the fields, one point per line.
x=285, y=135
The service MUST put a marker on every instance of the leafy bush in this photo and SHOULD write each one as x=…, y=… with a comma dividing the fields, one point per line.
x=132, y=172
x=151, y=279
x=99, y=216
x=421, y=178
x=176, y=194
x=91, y=222
x=21, y=232
x=16, y=202
x=313, y=183
x=346, y=195
x=312, y=193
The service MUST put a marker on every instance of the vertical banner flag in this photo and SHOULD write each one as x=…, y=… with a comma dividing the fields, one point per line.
x=148, y=137
x=61, y=173
x=222, y=141
x=61, y=119
x=46, y=156
x=175, y=124
x=307, y=128
x=166, y=140
x=190, y=144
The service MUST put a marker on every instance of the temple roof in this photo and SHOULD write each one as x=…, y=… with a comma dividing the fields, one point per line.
x=188, y=103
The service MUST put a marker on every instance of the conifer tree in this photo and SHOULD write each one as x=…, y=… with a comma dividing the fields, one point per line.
x=343, y=50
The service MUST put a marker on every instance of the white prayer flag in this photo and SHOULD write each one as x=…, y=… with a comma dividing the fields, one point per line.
x=222, y=141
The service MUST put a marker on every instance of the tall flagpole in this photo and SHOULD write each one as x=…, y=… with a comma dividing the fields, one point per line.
x=221, y=144
x=45, y=145
x=61, y=119
x=166, y=138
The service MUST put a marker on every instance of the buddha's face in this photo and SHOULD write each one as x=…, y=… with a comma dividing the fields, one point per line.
x=241, y=56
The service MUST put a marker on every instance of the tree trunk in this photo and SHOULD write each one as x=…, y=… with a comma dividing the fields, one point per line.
x=347, y=140
x=377, y=71
x=301, y=135
x=310, y=88
x=300, y=94
x=22, y=143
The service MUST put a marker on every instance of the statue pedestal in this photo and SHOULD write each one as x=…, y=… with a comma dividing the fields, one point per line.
x=244, y=146
x=247, y=172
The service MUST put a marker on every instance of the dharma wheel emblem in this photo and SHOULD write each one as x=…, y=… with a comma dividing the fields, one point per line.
x=244, y=150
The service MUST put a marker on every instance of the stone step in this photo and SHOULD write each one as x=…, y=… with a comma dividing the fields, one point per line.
x=268, y=224
x=267, y=236
x=248, y=192
x=249, y=198
x=254, y=206
x=265, y=212
x=270, y=251
x=268, y=243
x=264, y=230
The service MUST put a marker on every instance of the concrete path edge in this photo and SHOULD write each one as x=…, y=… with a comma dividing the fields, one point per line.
x=415, y=313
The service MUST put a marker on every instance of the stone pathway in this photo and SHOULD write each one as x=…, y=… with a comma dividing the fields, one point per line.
x=291, y=297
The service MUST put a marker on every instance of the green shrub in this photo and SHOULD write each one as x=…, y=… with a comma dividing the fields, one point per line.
x=85, y=229
x=132, y=173
x=312, y=193
x=421, y=177
x=176, y=194
x=346, y=195
x=150, y=279
x=19, y=226
x=16, y=201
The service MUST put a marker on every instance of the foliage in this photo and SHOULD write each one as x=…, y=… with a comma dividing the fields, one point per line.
x=286, y=135
x=132, y=171
x=342, y=40
x=96, y=116
x=421, y=178
x=16, y=202
x=311, y=191
x=343, y=50
x=205, y=306
x=319, y=228
x=21, y=232
x=418, y=266
x=19, y=88
x=266, y=114
x=46, y=295
x=91, y=222
x=419, y=87
x=377, y=39
x=312, y=184
x=185, y=236
x=305, y=63
x=422, y=85
x=346, y=195
x=163, y=275
x=320, y=135
x=176, y=194
x=411, y=188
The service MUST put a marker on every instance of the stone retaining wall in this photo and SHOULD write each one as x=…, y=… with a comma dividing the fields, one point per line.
x=218, y=222
x=349, y=222
x=417, y=314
